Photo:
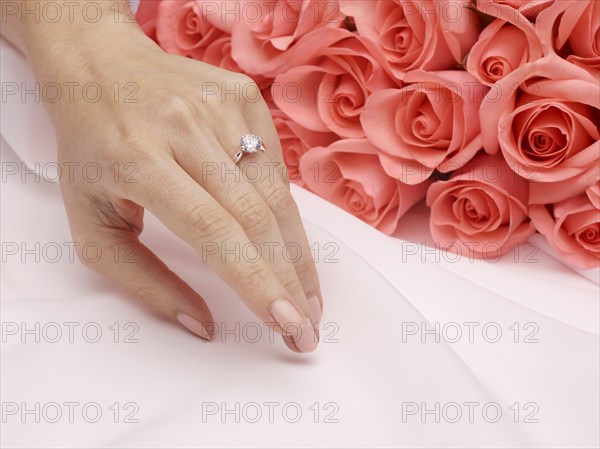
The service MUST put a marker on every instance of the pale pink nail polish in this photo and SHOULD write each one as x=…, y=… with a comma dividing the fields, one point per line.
x=290, y=344
x=315, y=307
x=294, y=325
x=193, y=325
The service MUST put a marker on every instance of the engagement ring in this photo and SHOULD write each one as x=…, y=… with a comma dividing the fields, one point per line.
x=249, y=144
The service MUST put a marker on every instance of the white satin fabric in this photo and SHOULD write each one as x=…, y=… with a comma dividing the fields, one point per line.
x=371, y=374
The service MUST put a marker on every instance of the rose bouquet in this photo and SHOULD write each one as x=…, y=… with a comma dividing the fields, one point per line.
x=489, y=109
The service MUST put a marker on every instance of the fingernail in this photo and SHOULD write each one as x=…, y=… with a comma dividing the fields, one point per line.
x=315, y=310
x=294, y=325
x=193, y=325
x=290, y=344
x=315, y=307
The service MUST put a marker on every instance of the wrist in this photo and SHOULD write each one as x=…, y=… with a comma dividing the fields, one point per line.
x=83, y=50
x=59, y=50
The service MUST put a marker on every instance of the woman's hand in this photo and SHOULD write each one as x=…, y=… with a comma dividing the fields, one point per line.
x=164, y=133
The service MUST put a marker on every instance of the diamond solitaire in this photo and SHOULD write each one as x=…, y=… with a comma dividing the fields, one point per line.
x=250, y=143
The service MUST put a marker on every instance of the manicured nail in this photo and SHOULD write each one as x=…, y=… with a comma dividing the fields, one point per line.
x=315, y=308
x=315, y=311
x=290, y=344
x=193, y=325
x=294, y=325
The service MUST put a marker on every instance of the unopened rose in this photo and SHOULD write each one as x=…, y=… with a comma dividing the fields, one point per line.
x=502, y=48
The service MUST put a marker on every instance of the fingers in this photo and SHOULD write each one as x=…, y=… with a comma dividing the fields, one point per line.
x=197, y=217
x=119, y=255
x=277, y=196
x=288, y=215
x=241, y=200
x=239, y=197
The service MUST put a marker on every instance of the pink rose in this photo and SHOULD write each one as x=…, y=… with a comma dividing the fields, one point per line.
x=593, y=193
x=481, y=211
x=348, y=174
x=332, y=75
x=553, y=192
x=572, y=227
x=417, y=34
x=544, y=117
x=266, y=32
x=529, y=9
x=295, y=141
x=501, y=48
x=219, y=54
x=430, y=125
x=146, y=16
x=195, y=29
x=182, y=29
x=571, y=28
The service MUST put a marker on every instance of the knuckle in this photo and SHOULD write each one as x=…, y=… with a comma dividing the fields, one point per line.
x=293, y=286
x=208, y=223
x=144, y=293
x=244, y=79
x=134, y=149
x=147, y=295
x=284, y=173
x=139, y=152
x=251, y=274
x=134, y=163
x=305, y=267
x=280, y=199
x=254, y=216
x=246, y=88
x=147, y=182
x=179, y=108
x=89, y=254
